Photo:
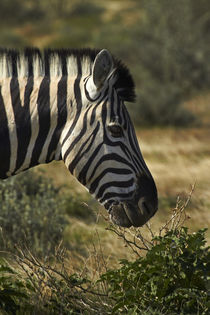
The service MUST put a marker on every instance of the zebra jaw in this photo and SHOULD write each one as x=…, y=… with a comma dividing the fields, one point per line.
x=126, y=214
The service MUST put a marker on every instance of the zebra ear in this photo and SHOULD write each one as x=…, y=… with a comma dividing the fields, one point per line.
x=103, y=65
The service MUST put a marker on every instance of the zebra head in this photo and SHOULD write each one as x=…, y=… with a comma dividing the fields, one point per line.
x=104, y=154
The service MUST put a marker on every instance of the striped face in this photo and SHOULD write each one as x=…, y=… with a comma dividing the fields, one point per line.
x=70, y=105
x=105, y=155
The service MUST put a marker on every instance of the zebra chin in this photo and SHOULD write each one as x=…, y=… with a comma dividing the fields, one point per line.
x=126, y=214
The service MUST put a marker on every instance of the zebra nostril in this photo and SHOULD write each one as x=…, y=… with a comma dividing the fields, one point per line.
x=144, y=207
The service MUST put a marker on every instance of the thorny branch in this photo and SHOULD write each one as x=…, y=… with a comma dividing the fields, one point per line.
x=27, y=259
x=179, y=215
x=132, y=244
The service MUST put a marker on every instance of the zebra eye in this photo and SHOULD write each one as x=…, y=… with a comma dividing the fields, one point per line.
x=116, y=131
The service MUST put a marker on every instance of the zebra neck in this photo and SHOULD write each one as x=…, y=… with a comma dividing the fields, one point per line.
x=33, y=115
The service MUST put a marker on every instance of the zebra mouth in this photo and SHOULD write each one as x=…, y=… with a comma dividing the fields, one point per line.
x=137, y=210
x=119, y=216
x=127, y=214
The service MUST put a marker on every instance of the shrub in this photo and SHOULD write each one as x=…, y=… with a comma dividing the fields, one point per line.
x=14, y=291
x=31, y=213
x=173, y=278
x=80, y=210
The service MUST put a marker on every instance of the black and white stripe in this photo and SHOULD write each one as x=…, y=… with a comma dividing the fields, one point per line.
x=69, y=104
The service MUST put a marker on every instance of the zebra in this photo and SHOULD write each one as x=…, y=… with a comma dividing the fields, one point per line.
x=68, y=105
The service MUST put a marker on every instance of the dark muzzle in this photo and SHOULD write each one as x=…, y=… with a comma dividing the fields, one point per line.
x=137, y=211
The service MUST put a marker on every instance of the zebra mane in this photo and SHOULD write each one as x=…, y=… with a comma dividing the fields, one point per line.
x=61, y=62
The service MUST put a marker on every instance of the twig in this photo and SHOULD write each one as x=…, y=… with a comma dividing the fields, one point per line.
x=150, y=229
x=128, y=242
x=178, y=212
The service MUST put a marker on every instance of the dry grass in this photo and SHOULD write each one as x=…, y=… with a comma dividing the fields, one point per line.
x=199, y=105
x=179, y=159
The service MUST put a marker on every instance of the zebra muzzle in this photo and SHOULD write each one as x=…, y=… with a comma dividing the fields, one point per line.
x=138, y=214
x=118, y=216
x=127, y=214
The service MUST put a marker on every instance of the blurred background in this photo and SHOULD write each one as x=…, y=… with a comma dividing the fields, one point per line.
x=166, y=46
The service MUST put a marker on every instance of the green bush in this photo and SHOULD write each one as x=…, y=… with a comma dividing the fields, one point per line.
x=34, y=288
x=14, y=291
x=173, y=278
x=78, y=209
x=31, y=213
